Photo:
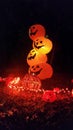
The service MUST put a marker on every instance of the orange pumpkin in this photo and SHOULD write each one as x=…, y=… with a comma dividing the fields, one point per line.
x=43, y=70
x=43, y=45
x=34, y=57
x=36, y=31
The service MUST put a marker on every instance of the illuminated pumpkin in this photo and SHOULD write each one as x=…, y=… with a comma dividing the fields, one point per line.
x=49, y=95
x=36, y=31
x=43, y=70
x=34, y=57
x=43, y=45
x=31, y=82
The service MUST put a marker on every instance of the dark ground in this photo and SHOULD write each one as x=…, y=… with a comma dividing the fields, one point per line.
x=28, y=111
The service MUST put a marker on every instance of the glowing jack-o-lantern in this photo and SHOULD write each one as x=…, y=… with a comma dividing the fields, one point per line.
x=31, y=82
x=36, y=31
x=34, y=57
x=43, y=70
x=43, y=45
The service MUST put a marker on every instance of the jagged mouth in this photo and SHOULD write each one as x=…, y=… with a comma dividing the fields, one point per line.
x=31, y=57
x=32, y=33
x=36, y=73
x=38, y=47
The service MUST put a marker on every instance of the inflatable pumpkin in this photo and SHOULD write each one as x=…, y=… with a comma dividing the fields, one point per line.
x=34, y=57
x=36, y=31
x=43, y=70
x=43, y=45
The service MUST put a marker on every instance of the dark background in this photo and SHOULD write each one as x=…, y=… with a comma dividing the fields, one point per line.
x=16, y=16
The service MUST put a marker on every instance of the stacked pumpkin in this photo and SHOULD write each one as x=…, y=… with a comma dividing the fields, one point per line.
x=37, y=57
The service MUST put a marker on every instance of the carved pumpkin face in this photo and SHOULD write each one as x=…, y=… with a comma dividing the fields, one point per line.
x=43, y=70
x=43, y=45
x=34, y=57
x=36, y=31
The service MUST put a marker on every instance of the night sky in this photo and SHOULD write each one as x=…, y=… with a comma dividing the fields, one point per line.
x=16, y=16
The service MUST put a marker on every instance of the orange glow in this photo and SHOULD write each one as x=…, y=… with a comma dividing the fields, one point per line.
x=34, y=57
x=13, y=86
x=14, y=82
x=36, y=31
x=17, y=86
x=31, y=82
x=28, y=82
x=42, y=45
x=43, y=70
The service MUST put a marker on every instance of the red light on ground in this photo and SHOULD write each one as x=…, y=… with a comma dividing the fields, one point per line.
x=28, y=82
x=56, y=90
x=9, y=79
x=14, y=82
x=49, y=95
x=72, y=92
x=13, y=85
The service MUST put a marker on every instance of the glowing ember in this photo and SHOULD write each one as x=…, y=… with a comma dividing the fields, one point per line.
x=56, y=90
x=49, y=95
x=72, y=92
x=13, y=83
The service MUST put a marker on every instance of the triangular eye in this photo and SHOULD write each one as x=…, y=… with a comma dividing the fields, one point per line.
x=33, y=27
x=33, y=66
x=37, y=43
x=38, y=66
x=41, y=42
x=33, y=51
x=37, y=39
